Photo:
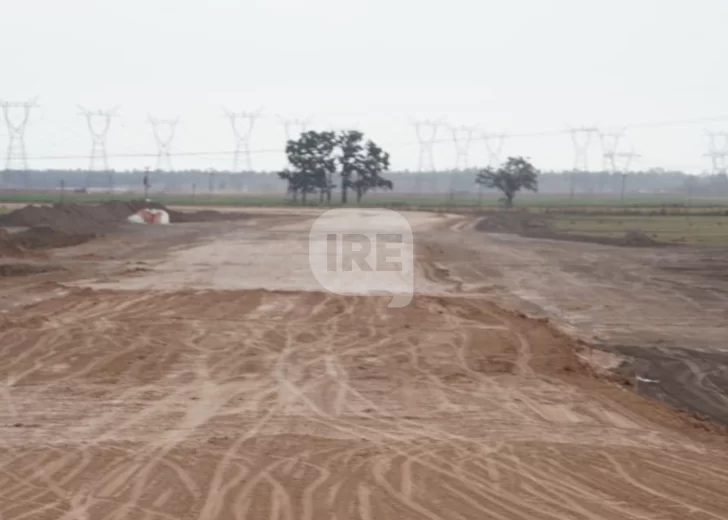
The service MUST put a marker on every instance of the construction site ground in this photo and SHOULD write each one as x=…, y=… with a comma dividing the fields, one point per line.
x=198, y=371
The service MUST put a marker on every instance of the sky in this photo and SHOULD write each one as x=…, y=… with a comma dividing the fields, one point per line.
x=508, y=66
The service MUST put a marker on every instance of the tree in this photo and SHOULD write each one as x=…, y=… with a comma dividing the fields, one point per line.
x=313, y=164
x=368, y=173
x=516, y=174
x=362, y=165
x=317, y=157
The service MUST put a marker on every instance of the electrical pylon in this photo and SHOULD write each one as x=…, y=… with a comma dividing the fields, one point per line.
x=164, y=140
x=718, y=151
x=581, y=137
x=98, y=131
x=627, y=159
x=494, y=144
x=610, y=145
x=17, y=157
x=462, y=138
x=624, y=168
x=242, y=133
x=426, y=131
x=294, y=127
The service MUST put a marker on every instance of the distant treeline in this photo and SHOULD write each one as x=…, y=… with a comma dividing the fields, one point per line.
x=206, y=181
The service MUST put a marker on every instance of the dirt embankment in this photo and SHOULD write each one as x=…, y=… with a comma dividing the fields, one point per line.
x=689, y=380
x=64, y=225
x=532, y=225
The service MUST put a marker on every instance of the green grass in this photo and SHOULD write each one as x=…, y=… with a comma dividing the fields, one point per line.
x=536, y=202
x=671, y=229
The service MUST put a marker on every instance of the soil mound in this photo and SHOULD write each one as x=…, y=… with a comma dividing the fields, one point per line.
x=26, y=269
x=45, y=237
x=532, y=225
x=638, y=238
x=9, y=246
x=63, y=225
x=690, y=380
x=513, y=221
x=95, y=218
x=73, y=218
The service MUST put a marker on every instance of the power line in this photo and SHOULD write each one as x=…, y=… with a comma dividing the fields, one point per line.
x=426, y=131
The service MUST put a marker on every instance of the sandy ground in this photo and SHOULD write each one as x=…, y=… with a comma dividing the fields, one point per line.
x=198, y=372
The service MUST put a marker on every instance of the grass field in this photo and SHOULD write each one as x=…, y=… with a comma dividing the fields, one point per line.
x=545, y=202
x=671, y=229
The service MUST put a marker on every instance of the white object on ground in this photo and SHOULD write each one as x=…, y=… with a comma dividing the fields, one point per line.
x=149, y=216
x=645, y=380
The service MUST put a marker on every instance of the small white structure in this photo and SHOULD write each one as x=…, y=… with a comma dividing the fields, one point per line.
x=149, y=216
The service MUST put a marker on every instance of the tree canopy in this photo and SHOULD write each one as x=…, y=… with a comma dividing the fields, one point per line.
x=317, y=158
x=513, y=176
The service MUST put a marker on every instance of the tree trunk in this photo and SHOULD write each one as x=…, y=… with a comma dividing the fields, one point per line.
x=359, y=194
x=344, y=192
x=303, y=197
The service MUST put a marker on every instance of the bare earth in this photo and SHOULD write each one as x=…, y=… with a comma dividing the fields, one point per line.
x=196, y=372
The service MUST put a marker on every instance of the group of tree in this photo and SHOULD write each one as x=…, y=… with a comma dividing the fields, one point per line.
x=321, y=162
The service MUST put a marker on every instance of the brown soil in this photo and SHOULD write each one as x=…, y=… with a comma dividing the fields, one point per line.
x=98, y=218
x=532, y=225
x=9, y=246
x=64, y=225
x=191, y=390
x=26, y=269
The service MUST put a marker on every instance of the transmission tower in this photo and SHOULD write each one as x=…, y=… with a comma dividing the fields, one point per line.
x=242, y=124
x=581, y=137
x=16, y=157
x=294, y=127
x=623, y=168
x=164, y=140
x=610, y=145
x=98, y=132
x=426, y=131
x=718, y=151
x=494, y=144
x=462, y=137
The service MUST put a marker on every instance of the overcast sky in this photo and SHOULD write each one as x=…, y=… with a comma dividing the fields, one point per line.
x=505, y=66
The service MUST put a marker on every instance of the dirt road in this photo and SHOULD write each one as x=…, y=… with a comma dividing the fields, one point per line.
x=196, y=373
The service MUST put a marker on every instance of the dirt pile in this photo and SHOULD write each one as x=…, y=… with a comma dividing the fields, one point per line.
x=63, y=225
x=26, y=269
x=73, y=218
x=531, y=225
x=638, y=238
x=9, y=246
x=690, y=380
x=513, y=221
